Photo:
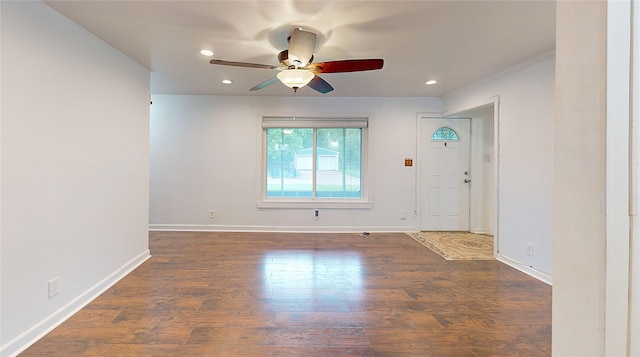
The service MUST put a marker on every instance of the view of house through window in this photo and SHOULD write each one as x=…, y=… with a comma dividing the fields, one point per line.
x=314, y=162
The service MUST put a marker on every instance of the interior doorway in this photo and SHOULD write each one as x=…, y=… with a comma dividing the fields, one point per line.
x=483, y=197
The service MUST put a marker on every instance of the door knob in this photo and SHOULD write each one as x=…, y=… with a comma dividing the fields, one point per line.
x=467, y=180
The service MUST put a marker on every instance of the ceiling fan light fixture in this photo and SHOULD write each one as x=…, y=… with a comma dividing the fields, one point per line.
x=295, y=78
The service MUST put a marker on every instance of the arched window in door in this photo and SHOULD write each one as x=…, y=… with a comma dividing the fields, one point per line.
x=445, y=133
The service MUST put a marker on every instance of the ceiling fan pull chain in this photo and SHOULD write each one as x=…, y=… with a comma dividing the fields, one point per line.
x=295, y=99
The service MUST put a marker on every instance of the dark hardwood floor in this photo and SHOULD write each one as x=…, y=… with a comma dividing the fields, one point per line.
x=286, y=294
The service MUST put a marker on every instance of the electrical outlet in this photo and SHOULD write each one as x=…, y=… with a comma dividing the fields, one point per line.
x=529, y=248
x=53, y=287
x=403, y=215
x=212, y=214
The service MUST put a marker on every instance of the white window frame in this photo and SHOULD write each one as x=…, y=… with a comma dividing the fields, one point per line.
x=364, y=201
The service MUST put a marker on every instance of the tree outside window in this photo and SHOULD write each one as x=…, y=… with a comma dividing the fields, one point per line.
x=329, y=169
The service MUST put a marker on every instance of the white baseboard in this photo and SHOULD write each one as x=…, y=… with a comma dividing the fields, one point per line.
x=291, y=229
x=529, y=270
x=39, y=330
x=482, y=231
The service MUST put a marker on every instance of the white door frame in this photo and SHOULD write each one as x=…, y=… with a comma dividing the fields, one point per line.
x=495, y=102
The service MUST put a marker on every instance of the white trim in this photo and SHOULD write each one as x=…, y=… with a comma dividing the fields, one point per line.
x=347, y=121
x=455, y=113
x=288, y=229
x=496, y=172
x=39, y=330
x=529, y=270
x=486, y=232
x=505, y=72
x=634, y=253
x=432, y=115
x=314, y=122
x=317, y=203
x=617, y=155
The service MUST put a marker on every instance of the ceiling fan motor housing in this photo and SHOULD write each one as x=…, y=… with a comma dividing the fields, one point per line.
x=283, y=57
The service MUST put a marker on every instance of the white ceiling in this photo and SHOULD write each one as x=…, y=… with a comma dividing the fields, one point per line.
x=454, y=42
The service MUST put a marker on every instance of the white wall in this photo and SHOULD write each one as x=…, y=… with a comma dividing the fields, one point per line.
x=483, y=201
x=526, y=158
x=482, y=161
x=594, y=297
x=580, y=244
x=634, y=271
x=205, y=154
x=74, y=160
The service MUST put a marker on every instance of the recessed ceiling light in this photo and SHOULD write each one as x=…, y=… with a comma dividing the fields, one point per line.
x=431, y=82
x=227, y=81
x=208, y=53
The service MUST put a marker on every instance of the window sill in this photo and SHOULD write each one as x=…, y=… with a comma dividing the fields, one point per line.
x=315, y=204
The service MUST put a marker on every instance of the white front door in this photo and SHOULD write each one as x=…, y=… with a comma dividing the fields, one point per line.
x=445, y=175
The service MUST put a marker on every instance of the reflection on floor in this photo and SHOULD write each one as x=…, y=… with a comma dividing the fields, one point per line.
x=286, y=294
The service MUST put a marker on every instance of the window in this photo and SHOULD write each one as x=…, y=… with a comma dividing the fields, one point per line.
x=444, y=133
x=314, y=160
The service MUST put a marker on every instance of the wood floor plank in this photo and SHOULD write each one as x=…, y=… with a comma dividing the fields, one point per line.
x=281, y=336
x=312, y=294
x=226, y=351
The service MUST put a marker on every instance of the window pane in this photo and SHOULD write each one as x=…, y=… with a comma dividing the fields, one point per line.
x=338, y=162
x=444, y=133
x=288, y=169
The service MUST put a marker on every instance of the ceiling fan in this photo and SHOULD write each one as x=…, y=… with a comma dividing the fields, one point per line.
x=297, y=69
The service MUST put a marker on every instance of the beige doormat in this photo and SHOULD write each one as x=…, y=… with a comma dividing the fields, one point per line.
x=457, y=245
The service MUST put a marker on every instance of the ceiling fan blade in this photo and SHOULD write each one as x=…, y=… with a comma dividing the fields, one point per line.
x=301, y=46
x=346, y=66
x=266, y=83
x=320, y=85
x=244, y=64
